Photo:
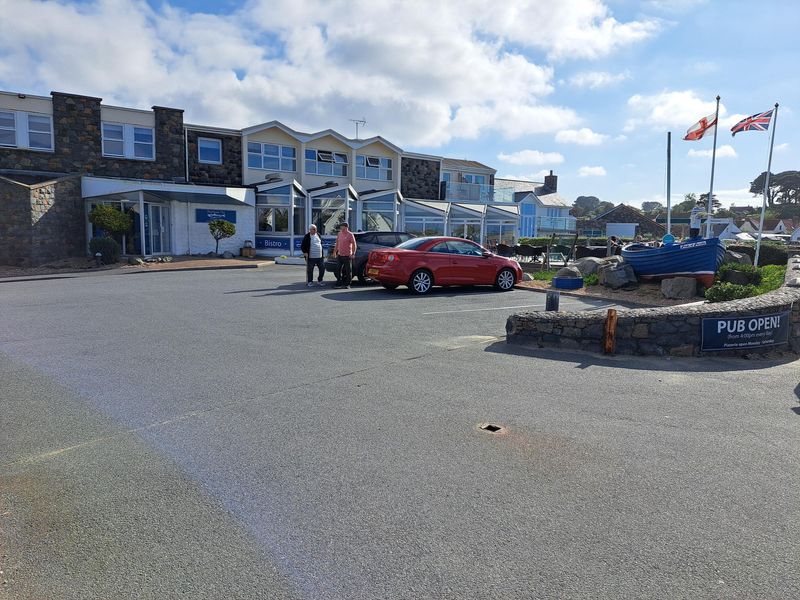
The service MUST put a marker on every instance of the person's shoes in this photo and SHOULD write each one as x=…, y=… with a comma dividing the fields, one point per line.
x=347, y=287
x=320, y=284
x=338, y=286
x=309, y=284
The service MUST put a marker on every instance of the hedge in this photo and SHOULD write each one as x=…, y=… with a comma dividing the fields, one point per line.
x=770, y=254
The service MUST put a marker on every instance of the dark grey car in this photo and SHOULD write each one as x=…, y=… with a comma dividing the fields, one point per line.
x=366, y=241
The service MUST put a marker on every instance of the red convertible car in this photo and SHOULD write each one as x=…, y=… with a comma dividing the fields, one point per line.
x=421, y=263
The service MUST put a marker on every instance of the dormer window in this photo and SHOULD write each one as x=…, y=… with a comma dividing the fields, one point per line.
x=378, y=168
x=326, y=162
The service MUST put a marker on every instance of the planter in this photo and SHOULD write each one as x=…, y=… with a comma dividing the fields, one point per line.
x=568, y=283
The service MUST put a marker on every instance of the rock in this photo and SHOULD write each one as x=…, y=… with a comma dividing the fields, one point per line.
x=135, y=260
x=736, y=257
x=569, y=272
x=679, y=287
x=588, y=265
x=167, y=259
x=736, y=277
x=794, y=282
x=527, y=276
x=227, y=254
x=614, y=259
x=211, y=254
x=616, y=275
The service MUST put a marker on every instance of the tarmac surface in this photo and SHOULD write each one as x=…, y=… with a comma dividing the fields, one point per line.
x=235, y=434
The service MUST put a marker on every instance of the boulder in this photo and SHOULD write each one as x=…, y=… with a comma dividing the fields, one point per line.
x=569, y=272
x=588, y=265
x=736, y=277
x=227, y=254
x=679, y=287
x=616, y=275
x=736, y=257
x=135, y=260
x=616, y=259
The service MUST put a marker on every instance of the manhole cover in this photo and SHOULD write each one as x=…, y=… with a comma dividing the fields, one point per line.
x=490, y=427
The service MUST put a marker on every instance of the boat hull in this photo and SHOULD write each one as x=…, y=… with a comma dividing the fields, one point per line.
x=698, y=258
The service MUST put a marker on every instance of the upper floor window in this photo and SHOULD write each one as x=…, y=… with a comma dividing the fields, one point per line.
x=473, y=178
x=373, y=167
x=128, y=141
x=446, y=176
x=553, y=212
x=209, y=150
x=271, y=157
x=26, y=130
x=324, y=162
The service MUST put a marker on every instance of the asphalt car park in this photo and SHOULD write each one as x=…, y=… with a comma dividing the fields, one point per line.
x=235, y=434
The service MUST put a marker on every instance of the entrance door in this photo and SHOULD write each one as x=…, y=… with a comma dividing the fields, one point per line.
x=159, y=233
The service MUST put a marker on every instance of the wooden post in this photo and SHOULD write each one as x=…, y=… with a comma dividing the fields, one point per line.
x=610, y=339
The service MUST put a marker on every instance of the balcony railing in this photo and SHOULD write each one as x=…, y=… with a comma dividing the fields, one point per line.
x=555, y=224
x=478, y=193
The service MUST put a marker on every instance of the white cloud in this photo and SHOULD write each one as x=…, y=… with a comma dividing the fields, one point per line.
x=676, y=111
x=315, y=64
x=536, y=177
x=583, y=137
x=725, y=151
x=531, y=157
x=591, y=172
x=782, y=147
x=597, y=79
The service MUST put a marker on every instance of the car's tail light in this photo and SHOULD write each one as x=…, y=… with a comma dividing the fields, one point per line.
x=392, y=258
x=377, y=258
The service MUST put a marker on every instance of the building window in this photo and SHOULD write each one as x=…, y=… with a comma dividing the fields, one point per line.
x=128, y=141
x=209, y=151
x=373, y=167
x=271, y=157
x=26, y=130
x=472, y=178
x=324, y=162
x=8, y=129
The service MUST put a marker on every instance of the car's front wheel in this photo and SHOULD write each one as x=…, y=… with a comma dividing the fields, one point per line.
x=421, y=282
x=505, y=280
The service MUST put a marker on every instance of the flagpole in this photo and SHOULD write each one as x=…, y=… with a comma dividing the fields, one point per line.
x=713, y=160
x=669, y=160
x=766, y=186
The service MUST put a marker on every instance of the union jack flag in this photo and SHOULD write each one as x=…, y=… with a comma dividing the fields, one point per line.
x=759, y=122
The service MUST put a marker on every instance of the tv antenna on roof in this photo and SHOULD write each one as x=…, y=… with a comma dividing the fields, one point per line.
x=358, y=122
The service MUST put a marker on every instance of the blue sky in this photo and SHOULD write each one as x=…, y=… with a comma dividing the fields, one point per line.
x=583, y=87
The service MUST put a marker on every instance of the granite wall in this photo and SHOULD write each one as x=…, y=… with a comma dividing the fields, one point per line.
x=419, y=178
x=668, y=331
x=228, y=173
x=15, y=222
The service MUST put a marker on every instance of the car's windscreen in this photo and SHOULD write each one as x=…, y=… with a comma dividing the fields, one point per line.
x=413, y=244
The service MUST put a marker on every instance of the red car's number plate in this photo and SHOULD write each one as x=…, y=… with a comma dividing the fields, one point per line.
x=372, y=271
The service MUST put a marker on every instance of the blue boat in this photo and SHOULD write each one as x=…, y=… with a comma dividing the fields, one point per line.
x=696, y=257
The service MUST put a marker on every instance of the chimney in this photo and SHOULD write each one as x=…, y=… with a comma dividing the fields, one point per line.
x=551, y=181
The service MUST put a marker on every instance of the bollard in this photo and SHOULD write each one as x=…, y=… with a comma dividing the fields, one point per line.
x=551, y=303
x=98, y=258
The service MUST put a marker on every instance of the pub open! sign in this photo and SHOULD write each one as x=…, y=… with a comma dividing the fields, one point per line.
x=737, y=333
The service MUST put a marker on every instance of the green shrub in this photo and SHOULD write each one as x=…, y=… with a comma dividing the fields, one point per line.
x=753, y=274
x=221, y=229
x=771, y=278
x=721, y=292
x=591, y=279
x=544, y=275
x=110, y=219
x=106, y=246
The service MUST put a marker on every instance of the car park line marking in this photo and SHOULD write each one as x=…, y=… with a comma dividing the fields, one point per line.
x=444, y=312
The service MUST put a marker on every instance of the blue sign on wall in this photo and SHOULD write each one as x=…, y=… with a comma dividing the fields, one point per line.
x=272, y=243
x=206, y=215
x=736, y=333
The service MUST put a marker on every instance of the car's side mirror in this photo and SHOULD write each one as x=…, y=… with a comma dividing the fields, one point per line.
x=486, y=254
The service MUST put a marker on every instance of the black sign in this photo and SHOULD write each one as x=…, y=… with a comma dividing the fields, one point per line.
x=737, y=333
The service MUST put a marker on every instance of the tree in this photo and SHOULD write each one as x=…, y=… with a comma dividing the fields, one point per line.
x=652, y=207
x=603, y=207
x=757, y=187
x=584, y=205
x=110, y=220
x=221, y=229
x=689, y=200
x=784, y=188
x=715, y=204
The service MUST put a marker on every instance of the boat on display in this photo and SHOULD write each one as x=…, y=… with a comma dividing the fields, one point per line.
x=695, y=257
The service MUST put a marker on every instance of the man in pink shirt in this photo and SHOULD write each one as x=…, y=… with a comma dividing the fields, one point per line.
x=345, y=250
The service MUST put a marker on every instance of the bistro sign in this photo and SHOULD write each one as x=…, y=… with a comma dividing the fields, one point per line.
x=745, y=332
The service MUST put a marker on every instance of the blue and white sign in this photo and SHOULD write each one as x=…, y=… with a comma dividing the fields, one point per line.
x=206, y=215
x=737, y=333
x=273, y=242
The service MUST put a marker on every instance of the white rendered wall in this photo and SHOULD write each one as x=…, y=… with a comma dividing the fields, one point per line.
x=190, y=237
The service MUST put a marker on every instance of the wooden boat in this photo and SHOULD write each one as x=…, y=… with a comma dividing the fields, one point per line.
x=697, y=257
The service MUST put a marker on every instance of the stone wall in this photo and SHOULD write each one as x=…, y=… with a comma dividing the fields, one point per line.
x=419, y=178
x=668, y=331
x=77, y=142
x=15, y=222
x=228, y=173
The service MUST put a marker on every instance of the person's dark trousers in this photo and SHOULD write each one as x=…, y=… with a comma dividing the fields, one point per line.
x=310, y=263
x=345, y=269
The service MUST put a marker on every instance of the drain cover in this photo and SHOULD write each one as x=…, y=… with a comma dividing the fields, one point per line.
x=491, y=428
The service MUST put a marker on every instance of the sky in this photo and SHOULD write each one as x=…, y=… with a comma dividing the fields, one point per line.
x=585, y=88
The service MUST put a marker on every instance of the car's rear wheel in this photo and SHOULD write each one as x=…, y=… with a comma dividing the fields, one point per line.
x=361, y=274
x=505, y=280
x=421, y=281
x=390, y=286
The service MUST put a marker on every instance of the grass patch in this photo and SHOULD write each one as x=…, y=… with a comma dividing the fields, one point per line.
x=544, y=275
x=591, y=279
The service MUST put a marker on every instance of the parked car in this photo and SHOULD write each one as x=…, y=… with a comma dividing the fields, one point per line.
x=421, y=263
x=366, y=241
